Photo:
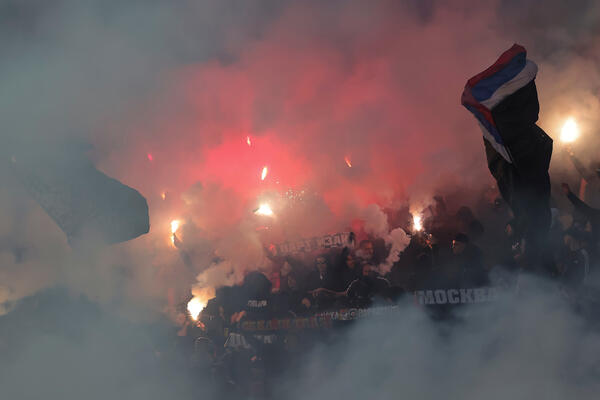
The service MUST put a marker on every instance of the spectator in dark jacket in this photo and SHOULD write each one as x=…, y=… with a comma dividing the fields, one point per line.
x=366, y=251
x=347, y=269
x=573, y=263
x=468, y=261
x=590, y=214
x=321, y=276
x=293, y=298
x=368, y=285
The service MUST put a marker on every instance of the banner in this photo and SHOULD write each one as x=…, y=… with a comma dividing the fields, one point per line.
x=342, y=239
x=317, y=321
x=456, y=296
x=327, y=319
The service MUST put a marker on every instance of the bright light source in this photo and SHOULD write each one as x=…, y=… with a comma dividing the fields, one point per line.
x=264, y=173
x=417, y=223
x=264, y=209
x=348, y=163
x=195, y=307
x=570, y=131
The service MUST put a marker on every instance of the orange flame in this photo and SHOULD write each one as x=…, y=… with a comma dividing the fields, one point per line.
x=248, y=141
x=570, y=131
x=264, y=209
x=199, y=301
x=174, y=226
x=417, y=223
x=163, y=195
x=195, y=307
x=264, y=173
x=348, y=163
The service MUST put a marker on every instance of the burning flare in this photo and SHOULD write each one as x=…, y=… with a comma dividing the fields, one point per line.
x=150, y=157
x=174, y=226
x=264, y=173
x=163, y=195
x=570, y=131
x=264, y=209
x=417, y=223
x=195, y=307
x=248, y=141
x=348, y=163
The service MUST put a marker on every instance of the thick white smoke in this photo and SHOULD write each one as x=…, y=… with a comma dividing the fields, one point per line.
x=376, y=224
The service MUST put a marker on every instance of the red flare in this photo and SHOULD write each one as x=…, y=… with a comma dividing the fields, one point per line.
x=264, y=173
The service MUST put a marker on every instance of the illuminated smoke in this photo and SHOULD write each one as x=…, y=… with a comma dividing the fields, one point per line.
x=376, y=224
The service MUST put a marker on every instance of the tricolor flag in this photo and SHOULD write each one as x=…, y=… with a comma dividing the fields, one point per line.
x=511, y=72
x=504, y=100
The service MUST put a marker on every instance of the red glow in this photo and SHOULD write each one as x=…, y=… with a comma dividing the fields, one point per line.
x=150, y=157
x=363, y=104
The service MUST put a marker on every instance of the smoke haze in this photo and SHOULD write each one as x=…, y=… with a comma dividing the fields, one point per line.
x=354, y=108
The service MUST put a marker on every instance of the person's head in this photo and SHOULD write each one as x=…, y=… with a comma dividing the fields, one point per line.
x=257, y=284
x=350, y=261
x=459, y=244
x=367, y=269
x=430, y=240
x=509, y=229
x=321, y=264
x=286, y=269
x=366, y=248
x=292, y=281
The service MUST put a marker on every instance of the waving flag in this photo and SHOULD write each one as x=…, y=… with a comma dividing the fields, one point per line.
x=511, y=72
x=82, y=200
x=504, y=100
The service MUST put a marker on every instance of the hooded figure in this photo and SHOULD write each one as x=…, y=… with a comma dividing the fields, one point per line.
x=504, y=100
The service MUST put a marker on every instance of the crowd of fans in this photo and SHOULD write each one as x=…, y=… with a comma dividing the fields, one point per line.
x=459, y=249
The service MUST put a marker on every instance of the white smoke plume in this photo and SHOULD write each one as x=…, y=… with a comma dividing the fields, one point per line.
x=376, y=224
